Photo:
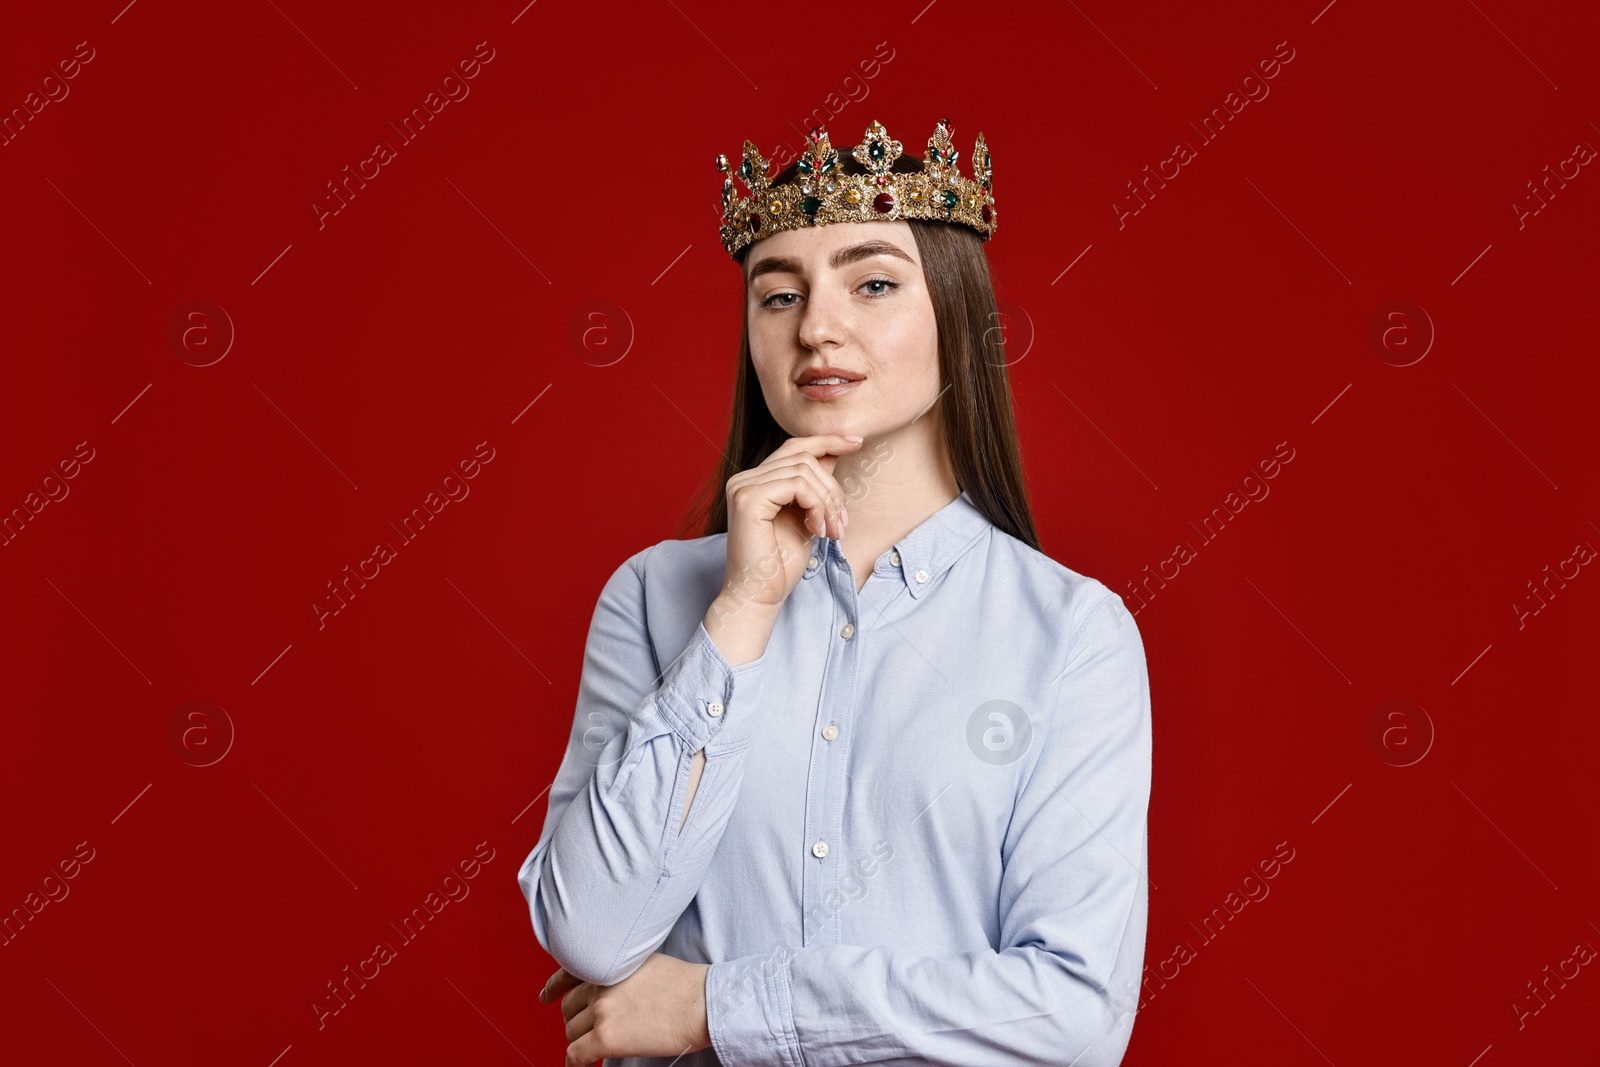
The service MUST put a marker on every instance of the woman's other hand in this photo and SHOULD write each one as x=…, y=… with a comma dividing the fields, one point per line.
x=658, y=1010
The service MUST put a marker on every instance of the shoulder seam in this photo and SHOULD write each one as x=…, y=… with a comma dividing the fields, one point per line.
x=1089, y=616
x=1074, y=640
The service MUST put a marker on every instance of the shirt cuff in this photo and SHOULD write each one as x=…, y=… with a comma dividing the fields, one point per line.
x=703, y=698
x=749, y=1014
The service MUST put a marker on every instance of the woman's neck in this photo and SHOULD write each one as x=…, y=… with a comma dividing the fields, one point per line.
x=892, y=484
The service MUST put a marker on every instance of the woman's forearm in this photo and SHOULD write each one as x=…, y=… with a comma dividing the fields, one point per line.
x=740, y=631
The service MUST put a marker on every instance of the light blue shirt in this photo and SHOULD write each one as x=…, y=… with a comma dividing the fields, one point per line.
x=920, y=832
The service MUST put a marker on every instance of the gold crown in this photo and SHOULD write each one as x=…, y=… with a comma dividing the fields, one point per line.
x=821, y=193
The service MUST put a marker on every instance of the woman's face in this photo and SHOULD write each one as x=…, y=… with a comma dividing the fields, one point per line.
x=849, y=296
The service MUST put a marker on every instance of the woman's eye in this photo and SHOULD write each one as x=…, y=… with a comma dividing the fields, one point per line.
x=889, y=284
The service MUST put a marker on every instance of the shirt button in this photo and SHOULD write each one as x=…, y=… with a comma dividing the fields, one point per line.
x=830, y=731
x=894, y=557
x=820, y=849
x=921, y=576
x=811, y=564
x=848, y=631
x=715, y=709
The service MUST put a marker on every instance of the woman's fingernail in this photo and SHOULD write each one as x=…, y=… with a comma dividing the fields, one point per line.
x=844, y=516
x=851, y=437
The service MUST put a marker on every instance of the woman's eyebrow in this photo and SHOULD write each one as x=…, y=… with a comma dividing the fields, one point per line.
x=845, y=255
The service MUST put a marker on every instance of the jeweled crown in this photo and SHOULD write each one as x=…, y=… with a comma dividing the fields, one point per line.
x=820, y=193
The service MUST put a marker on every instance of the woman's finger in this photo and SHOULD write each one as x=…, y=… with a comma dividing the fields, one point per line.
x=773, y=494
x=837, y=498
x=805, y=487
x=825, y=444
x=580, y=1023
x=559, y=983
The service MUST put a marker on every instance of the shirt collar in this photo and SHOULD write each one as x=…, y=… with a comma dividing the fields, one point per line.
x=928, y=550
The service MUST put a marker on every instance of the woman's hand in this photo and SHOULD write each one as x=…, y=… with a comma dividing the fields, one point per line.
x=775, y=508
x=658, y=1010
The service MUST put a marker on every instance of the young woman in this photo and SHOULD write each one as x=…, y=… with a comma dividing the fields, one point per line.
x=878, y=769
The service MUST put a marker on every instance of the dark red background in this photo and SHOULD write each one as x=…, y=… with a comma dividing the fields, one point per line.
x=372, y=354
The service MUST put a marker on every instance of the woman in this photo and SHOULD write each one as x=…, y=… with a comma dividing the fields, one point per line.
x=886, y=803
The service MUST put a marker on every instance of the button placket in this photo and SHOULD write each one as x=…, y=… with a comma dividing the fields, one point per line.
x=824, y=820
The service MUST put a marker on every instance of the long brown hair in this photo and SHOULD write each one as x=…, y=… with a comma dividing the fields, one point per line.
x=979, y=427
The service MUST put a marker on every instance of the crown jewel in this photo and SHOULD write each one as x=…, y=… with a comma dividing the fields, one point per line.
x=820, y=193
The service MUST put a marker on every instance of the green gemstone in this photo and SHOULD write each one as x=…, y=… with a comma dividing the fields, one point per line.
x=950, y=198
x=746, y=171
x=805, y=166
x=828, y=164
x=810, y=205
x=876, y=151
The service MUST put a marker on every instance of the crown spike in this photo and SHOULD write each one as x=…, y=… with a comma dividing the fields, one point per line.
x=877, y=150
x=942, y=154
x=980, y=169
x=754, y=170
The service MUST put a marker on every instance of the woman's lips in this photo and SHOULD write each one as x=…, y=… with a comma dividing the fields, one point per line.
x=828, y=392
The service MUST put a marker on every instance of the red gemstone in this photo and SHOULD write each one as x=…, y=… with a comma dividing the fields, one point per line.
x=755, y=223
x=986, y=214
x=883, y=179
x=884, y=203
